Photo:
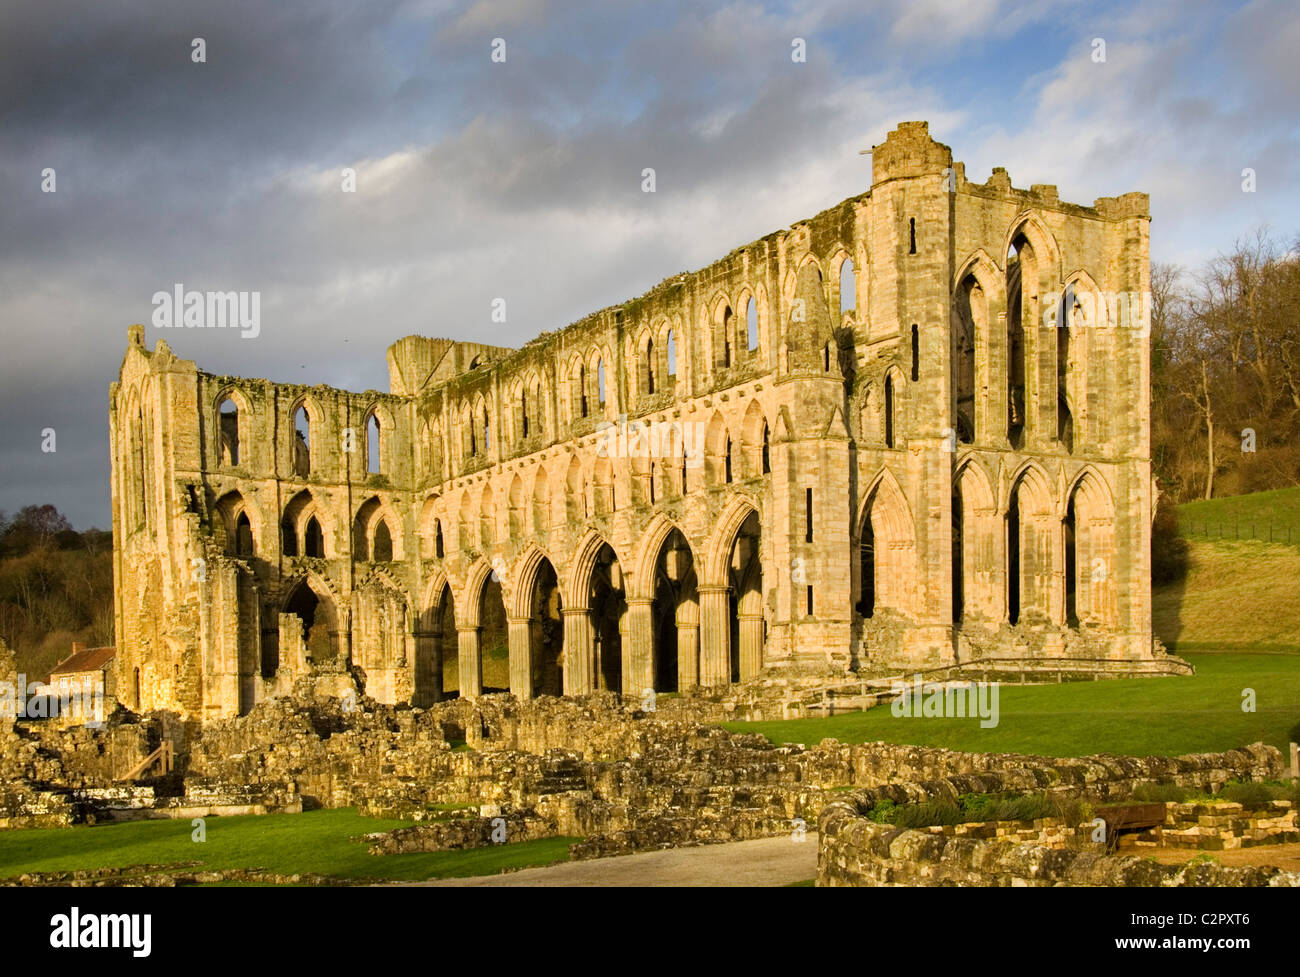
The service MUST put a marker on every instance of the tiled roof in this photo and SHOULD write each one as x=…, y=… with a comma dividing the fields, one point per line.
x=89, y=660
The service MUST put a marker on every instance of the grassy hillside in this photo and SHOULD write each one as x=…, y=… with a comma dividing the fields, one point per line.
x=1247, y=516
x=1141, y=716
x=1237, y=594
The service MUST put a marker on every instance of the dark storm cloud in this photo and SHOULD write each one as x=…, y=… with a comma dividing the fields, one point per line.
x=519, y=180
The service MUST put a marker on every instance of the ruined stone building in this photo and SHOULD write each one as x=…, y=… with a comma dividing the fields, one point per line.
x=908, y=432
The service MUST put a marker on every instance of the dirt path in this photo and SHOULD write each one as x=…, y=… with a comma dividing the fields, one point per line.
x=764, y=861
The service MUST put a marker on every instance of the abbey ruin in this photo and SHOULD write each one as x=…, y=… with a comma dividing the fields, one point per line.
x=907, y=433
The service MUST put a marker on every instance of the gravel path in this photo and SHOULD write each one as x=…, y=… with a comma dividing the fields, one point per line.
x=764, y=861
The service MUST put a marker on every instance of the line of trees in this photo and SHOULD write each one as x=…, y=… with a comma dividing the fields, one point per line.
x=1225, y=372
x=56, y=587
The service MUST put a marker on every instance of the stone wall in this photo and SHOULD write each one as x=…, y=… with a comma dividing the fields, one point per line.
x=854, y=851
x=805, y=453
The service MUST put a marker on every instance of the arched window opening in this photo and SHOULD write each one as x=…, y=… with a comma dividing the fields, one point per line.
x=372, y=445
x=1013, y=557
x=1071, y=568
x=228, y=430
x=672, y=353
x=301, y=442
x=867, y=569
x=911, y=224
x=288, y=537
x=314, y=539
x=751, y=325
x=438, y=550
x=600, y=382
x=653, y=475
x=916, y=352
x=848, y=287
x=243, y=536
x=381, y=551
x=889, y=412
x=1064, y=321
x=649, y=366
x=969, y=319
x=487, y=433
x=582, y=391
x=523, y=412
x=1021, y=272
x=826, y=358
x=767, y=455
x=726, y=337
x=958, y=594
x=726, y=461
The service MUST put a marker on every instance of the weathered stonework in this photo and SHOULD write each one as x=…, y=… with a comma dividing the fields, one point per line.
x=857, y=852
x=904, y=433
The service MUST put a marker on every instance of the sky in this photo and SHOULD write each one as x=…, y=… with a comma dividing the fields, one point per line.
x=521, y=179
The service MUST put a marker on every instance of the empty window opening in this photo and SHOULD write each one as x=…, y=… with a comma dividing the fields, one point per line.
x=382, y=549
x=808, y=515
x=437, y=539
x=288, y=537
x=301, y=443
x=726, y=337
x=1013, y=558
x=810, y=601
x=243, y=536
x=751, y=325
x=1021, y=270
x=889, y=412
x=649, y=366
x=372, y=445
x=487, y=432
x=523, y=413
x=958, y=594
x=726, y=461
x=848, y=287
x=867, y=569
x=1071, y=568
x=600, y=382
x=916, y=352
x=767, y=455
x=314, y=539
x=672, y=353
x=911, y=223
x=582, y=391
x=228, y=423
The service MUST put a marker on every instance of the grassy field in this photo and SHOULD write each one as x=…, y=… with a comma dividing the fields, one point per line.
x=1237, y=596
x=1279, y=509
x=313, y=842
x=1146, y=716
x=1235, y=617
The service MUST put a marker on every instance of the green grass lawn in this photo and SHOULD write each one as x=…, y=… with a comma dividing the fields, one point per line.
x=1142, y=716
x=1237, y=596
x=313, y=842
x=1279, y=509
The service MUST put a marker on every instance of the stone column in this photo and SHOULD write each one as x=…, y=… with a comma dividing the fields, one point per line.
x=579, y=652
x=471, y=664
x=751, y=645
x=715, y=635
x=688, y=644
x=639, y=660
x=521, y=656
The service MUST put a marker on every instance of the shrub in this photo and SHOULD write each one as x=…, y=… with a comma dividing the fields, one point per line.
x=1250, y=795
